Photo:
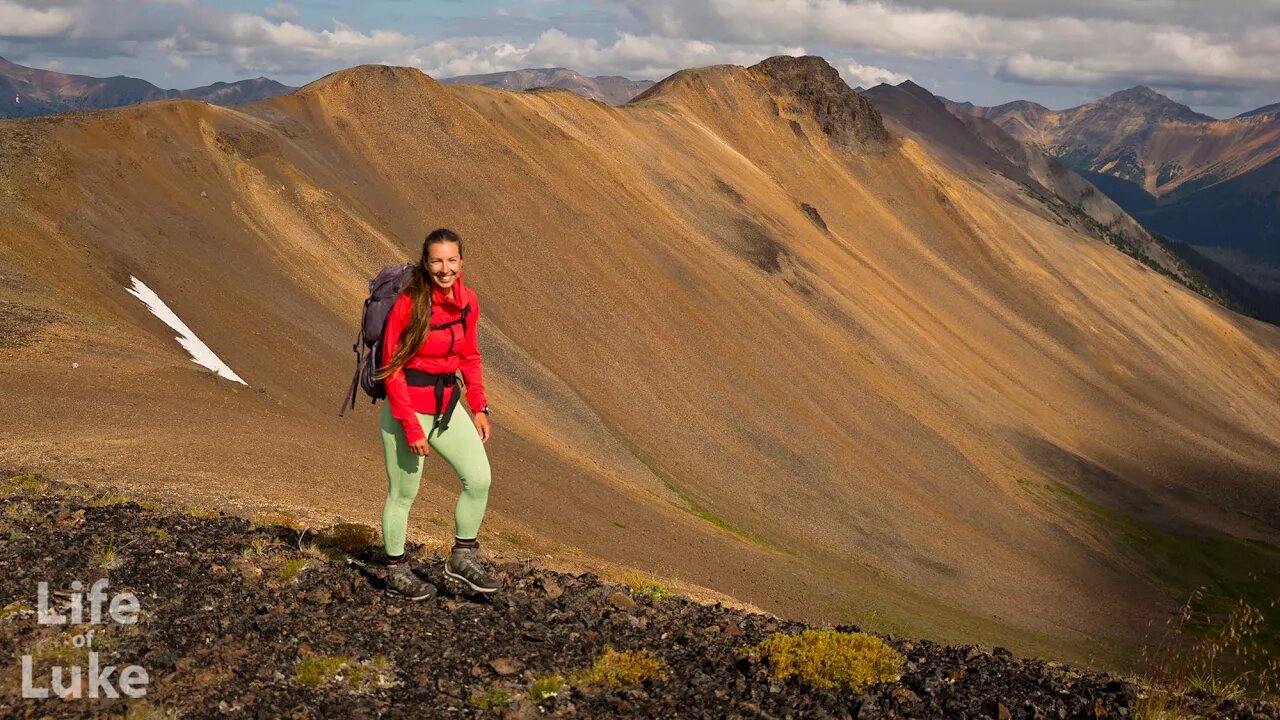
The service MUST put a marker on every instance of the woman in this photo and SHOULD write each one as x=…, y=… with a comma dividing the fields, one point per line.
x=430, y=335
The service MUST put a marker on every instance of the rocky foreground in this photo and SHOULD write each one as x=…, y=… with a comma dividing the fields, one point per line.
x=263, y=618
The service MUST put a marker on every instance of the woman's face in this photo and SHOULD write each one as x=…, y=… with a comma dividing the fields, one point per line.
x=443, y=264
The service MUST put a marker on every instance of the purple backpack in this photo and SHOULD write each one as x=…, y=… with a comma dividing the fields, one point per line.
x=384, y=288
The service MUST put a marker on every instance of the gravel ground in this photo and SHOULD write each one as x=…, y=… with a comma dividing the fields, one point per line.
x=238, y=619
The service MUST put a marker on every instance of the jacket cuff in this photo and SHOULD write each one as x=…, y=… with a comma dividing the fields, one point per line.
x=413, y=432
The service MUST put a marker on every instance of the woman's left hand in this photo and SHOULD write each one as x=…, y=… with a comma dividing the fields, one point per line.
x=482, y=427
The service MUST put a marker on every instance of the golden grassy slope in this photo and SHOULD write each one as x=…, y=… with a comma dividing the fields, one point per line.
x=691, y=376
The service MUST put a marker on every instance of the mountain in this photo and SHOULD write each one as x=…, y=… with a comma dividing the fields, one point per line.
x=1273, y=107
x=981, y=150
x=241, y=91
x=610, y=89
x=735, y=332
x=30, y=92
x=1203, y=182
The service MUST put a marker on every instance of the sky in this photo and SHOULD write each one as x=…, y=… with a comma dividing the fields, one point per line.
x=1220, y=57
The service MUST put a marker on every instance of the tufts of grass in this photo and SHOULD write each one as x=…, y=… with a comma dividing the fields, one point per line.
x=16, y=607
x=278, y=517
x=616, y=668
x=491, y=698
x=59, y=649
x=347, y=537
x=158, y=533
x=202, y=512
x=144, y=710
x=15, y=535
x=1223, y=657
x=107, y=500
x=22, y=485
x=1161, y=704
x=322, y=552
x=107, y=558
x=292, y=568
x=17, y=510
x=546, y=687
x=315, y=670
x=647, y=587
x=830, y=658
x=374, y=673
x=256, y=547
x=515, y=538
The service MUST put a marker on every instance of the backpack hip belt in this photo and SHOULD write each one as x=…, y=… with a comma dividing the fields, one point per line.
x=440, y=381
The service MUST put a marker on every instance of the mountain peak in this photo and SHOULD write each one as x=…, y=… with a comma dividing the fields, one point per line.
x=1150, y=103
x=367, y=77
x=816, y=89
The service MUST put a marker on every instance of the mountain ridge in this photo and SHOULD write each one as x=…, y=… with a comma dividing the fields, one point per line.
x=50, y=92
x=843, y=381
x=611, y=89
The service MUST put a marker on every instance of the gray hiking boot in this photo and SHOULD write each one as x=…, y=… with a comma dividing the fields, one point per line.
x=403, y=581
x=465, y=566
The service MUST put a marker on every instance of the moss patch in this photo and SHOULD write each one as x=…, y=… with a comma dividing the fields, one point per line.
x=616, y=668
x=546, y=687
x=830, y=658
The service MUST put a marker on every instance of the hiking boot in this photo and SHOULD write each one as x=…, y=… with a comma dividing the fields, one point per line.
x=464, y=565
x=403, y=581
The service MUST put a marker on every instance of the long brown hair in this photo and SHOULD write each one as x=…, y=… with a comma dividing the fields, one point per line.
x=419, y=291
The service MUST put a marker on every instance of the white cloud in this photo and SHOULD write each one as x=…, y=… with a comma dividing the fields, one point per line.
x=869, y=76
x=283, y=10
x=20, y=21
x=1164, y=42
x=633, y=55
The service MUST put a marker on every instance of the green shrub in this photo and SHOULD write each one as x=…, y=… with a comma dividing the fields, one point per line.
x=348, y=537
x=830, y=658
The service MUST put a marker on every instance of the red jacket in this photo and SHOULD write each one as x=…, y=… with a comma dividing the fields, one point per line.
x=434, y=356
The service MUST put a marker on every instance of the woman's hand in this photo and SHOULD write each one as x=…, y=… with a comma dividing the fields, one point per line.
x=420, y=447
x=482, y=427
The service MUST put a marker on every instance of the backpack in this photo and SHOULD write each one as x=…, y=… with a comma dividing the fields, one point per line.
x=384, y=289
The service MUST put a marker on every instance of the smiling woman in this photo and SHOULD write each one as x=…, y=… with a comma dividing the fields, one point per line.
x=430, y=335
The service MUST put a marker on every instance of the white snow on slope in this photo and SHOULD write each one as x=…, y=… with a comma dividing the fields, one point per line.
x=200, y=353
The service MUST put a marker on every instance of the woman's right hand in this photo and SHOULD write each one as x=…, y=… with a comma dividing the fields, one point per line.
x=420, y=447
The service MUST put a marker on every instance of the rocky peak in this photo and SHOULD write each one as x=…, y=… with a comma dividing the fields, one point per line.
x=813, y=87
x=1142, y=100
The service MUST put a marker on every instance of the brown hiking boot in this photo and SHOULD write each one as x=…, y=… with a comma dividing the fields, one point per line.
x=465, y=566
x=403, y=581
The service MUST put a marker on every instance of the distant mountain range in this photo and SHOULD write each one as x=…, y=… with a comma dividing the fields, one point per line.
x=1211, y=184
x=30, y=92
x=983, y=151
x=610, y=89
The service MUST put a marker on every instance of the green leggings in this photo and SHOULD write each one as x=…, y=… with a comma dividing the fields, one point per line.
x=460, y=446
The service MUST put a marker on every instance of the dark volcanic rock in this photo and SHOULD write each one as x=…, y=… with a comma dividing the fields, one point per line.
x=239, y=620
x=816, y=89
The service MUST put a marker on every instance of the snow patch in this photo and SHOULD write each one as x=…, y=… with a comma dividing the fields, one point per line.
x=200, y=353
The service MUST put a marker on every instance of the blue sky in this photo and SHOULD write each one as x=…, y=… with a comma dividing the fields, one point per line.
x=1220, y=60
